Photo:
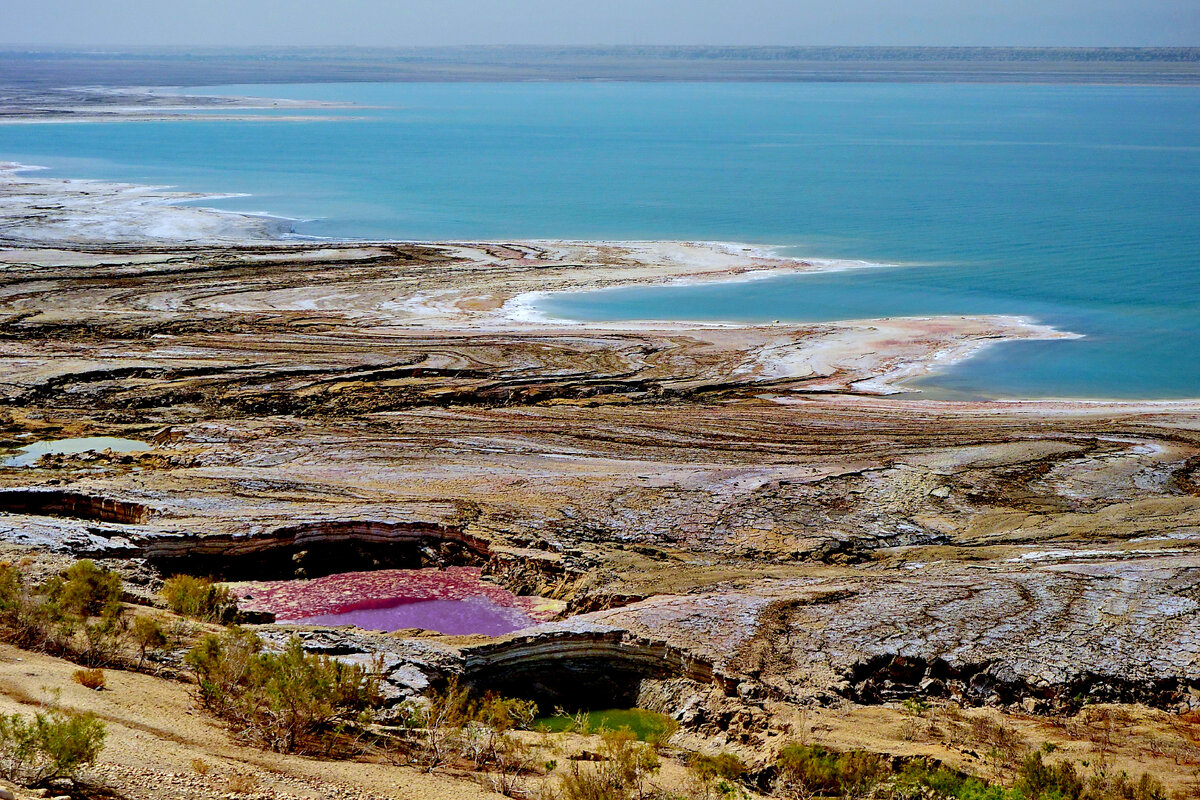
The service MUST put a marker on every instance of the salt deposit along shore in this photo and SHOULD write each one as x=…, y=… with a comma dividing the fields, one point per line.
x=741, y=526
x=51, y=213
x=37, y=106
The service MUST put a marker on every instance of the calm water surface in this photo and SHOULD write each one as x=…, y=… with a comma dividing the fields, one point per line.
x=29, y=454
x=471, y=615
x=1078, y=206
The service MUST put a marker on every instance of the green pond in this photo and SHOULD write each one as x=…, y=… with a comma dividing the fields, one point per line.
x=645, y=724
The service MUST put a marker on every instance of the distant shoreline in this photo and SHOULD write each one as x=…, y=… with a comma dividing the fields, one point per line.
x=58, y=67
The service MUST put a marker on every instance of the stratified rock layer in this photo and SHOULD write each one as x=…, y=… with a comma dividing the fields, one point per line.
x=737, y=508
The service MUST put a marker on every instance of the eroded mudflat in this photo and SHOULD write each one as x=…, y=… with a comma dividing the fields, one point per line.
x=739, y=521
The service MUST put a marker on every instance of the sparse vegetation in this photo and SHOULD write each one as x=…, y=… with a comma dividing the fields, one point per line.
x=199, y=598
x=293, y=701
x=721, y=775
x=916, y=711
x=622, y=773
x=1062, y=781
x=55, y=744
x=290, y=701
x=77, y=614
x=808, y=770
x=723, y=766
x=811, y=771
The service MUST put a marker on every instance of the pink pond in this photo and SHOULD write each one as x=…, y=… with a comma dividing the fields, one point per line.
x=453, y=600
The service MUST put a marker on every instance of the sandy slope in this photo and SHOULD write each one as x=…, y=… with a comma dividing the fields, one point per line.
x=155, y=733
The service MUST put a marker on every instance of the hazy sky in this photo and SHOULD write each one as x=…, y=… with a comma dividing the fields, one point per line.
x=415, y=22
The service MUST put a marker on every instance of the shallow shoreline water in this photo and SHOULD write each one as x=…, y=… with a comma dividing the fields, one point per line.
x=97, y=213
x=94, y=214
x=28, y=455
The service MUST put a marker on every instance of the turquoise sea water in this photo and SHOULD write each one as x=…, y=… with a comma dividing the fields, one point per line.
x=1078, y=206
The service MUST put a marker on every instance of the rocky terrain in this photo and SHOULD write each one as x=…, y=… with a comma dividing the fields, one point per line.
x=741, y=522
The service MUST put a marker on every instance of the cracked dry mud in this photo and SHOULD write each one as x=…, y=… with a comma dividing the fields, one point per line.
x=743, y=508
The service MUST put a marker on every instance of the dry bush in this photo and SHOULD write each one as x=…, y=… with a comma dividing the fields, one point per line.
x=1003, y=746
x=453, y=726
x=1105, y=727
x=201, y=767
x=955, y=728
x=242, y=784
x=509, y=763
x=89, y=678
x=1185, y=749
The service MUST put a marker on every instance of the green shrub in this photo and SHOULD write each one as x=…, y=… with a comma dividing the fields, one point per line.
x=85, y=590
x=813, y=770
x=12, y=589
x=51, y=745
x=18, y=609
x=291, y=701
x=920, y=780
x=199, y=598
x=221, y=665
x=296, y=695
x=723, y=766
x=622, y=774
x=1121, y=787
x=1037, y=779
x=148, y=635
x=77, y=614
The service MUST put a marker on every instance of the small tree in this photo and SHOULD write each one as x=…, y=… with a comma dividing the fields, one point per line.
x=51, y=745
x=148, y=634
